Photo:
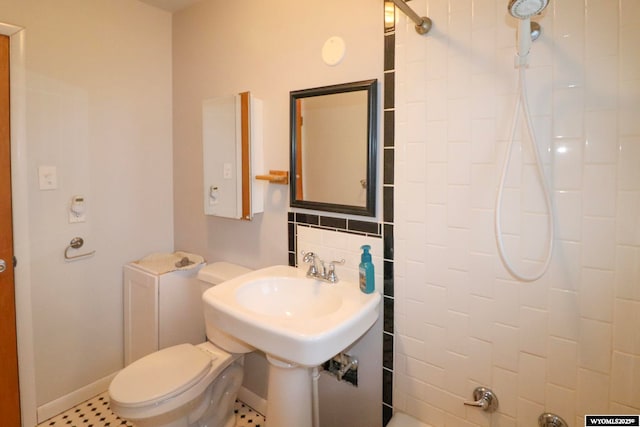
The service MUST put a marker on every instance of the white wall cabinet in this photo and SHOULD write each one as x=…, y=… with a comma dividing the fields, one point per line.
x=232, y=156
x=161, y=310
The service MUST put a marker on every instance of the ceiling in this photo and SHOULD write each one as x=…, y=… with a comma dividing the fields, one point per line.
x=170, y=5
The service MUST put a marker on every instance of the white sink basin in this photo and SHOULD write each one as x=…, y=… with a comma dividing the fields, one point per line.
x=289, y=316
x=288, y=298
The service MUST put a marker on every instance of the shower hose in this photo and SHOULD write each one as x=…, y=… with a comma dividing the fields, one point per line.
x=522, y=102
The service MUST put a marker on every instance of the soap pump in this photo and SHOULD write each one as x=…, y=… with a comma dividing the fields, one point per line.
x=367, y=277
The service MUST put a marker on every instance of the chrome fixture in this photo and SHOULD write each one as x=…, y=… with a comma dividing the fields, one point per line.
x=523, y=9
x=485, y=399
x=318, y=268
x=536, y=30
x=344, y=367
x=551, y=420
x=348, y=363
x=527, y=31
x=423, y=24
x=76, y=243
x=310, y=258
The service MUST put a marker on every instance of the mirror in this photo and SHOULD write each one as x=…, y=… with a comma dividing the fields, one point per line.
x=334, y=148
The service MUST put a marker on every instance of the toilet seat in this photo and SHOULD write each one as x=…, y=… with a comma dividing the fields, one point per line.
x=160, y=375
x=132, y=394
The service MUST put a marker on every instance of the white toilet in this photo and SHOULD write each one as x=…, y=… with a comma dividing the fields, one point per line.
x=185, y=385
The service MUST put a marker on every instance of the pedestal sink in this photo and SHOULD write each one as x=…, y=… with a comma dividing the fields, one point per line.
x=298, y=322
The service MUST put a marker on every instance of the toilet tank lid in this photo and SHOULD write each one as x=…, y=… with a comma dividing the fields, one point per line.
x=218, y=272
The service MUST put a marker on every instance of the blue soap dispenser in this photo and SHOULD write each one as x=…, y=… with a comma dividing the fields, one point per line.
x=367, y=277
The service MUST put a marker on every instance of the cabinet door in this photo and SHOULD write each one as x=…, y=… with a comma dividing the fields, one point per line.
x=140, y=314
x=181, y=313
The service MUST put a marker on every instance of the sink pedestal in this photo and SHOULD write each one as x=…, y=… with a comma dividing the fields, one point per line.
x=289, y=395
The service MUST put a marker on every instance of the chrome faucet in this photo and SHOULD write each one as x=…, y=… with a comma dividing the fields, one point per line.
x=318, y=268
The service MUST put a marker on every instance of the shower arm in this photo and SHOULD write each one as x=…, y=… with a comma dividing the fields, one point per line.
x=423, y=24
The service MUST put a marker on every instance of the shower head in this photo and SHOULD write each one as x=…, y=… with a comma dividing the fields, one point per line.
x=527, y=31
x=523, y=9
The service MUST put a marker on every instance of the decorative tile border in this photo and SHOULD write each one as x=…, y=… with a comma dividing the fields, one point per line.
x=344, y=225
x=388, y=217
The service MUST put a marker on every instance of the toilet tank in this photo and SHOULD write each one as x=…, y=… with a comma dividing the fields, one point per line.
x=211, y=275
x=218, y=272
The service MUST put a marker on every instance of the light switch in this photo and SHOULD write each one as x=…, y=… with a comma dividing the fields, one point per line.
x=47, y=177
x=226, y=171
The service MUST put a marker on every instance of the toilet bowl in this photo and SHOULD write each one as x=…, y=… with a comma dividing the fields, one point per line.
x=184, y=385
x=179, y=386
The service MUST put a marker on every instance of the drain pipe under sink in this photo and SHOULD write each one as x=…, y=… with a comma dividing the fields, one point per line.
x=315, y=405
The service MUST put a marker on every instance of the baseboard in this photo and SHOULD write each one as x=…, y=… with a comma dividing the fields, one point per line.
x=55, y=407
x=250, y=398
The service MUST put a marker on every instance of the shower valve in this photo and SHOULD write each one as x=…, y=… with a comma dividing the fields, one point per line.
x=485, y=399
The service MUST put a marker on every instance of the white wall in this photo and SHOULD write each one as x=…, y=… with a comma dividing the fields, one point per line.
x=270, y=49
x=567, y=343
x=98, y=107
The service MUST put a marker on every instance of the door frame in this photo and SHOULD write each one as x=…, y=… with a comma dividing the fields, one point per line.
x=20, y=202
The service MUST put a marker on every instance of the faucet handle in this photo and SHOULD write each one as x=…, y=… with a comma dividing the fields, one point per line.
x=331, y=274
x=484, y=399
x=308, y=256
x=313, y=270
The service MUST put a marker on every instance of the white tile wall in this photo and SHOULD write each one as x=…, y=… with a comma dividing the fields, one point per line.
x=569, y=342
x=331, y=245
x=342, y=403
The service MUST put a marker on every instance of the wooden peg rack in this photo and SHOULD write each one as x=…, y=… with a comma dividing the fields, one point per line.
x=275, y=177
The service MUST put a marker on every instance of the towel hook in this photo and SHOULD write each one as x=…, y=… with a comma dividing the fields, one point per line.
x=76, y=243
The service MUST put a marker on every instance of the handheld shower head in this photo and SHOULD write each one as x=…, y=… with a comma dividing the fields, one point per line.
x=523, y=9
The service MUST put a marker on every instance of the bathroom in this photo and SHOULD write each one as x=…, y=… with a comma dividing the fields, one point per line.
x=113, y=91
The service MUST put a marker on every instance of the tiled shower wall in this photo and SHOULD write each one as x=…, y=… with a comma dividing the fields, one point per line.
x=567, y=343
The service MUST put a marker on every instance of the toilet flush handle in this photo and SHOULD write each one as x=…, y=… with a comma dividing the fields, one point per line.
x=485, y=399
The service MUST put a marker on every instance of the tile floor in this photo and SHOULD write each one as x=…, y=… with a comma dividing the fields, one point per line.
x=96, y=413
